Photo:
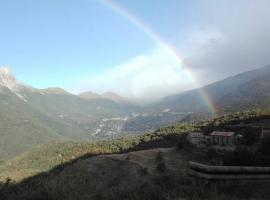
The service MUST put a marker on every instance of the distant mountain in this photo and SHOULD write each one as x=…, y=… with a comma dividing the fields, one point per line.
x=54, y=90
x=243, y=91
x=90, y=95
x=107, y=95
x=114, y=97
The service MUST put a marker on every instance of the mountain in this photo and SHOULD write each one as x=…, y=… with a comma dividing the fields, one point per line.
x=243, y=91
x=114, y=97
x=29, y=116
x=54, y=90
x=90, y=95
x=107, y=95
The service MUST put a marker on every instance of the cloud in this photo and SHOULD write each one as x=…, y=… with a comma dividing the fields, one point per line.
x=233, y=38
x=146, y=77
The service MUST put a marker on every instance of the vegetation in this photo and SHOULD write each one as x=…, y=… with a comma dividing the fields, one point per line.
x=48, y=156
x=246, y=156
x=241, y=118
x=98, y=177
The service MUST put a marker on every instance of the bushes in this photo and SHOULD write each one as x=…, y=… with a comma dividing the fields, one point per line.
x=237, y=118
x=243, y=156
x=161, y=167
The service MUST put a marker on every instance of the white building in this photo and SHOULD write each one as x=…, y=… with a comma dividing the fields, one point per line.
x=196, y=138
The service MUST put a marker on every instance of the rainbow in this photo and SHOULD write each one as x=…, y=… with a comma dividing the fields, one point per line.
x=144, y=27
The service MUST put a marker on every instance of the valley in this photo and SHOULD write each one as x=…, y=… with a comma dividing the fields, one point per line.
x=135, y=100
x=37, y=116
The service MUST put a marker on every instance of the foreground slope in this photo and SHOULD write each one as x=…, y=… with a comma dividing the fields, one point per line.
x=148, y=166
x=153, y=174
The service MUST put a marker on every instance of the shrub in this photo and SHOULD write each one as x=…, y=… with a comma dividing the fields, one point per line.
x=241, y=156
x=159, y=157
x=161, y=167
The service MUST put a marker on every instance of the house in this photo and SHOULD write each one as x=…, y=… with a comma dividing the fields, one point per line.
x=196, y=138
x=223, y=138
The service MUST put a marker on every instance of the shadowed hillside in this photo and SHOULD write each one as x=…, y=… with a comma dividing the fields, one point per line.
x=236, y=93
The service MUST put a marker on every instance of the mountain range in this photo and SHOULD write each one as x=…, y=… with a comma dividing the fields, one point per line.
x=30, y=116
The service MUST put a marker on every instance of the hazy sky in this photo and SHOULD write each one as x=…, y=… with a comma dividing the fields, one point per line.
x=144, y=49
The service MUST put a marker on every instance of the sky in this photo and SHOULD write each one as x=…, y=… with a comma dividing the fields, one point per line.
x=143, y=49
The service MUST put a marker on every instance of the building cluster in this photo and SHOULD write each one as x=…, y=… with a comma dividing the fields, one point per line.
x=220, y=138
x=215, y=138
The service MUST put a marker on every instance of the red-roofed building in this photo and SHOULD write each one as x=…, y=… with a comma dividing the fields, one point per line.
x=222, y=138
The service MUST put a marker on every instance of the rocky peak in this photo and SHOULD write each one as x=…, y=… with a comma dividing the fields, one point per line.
x=7, y=79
